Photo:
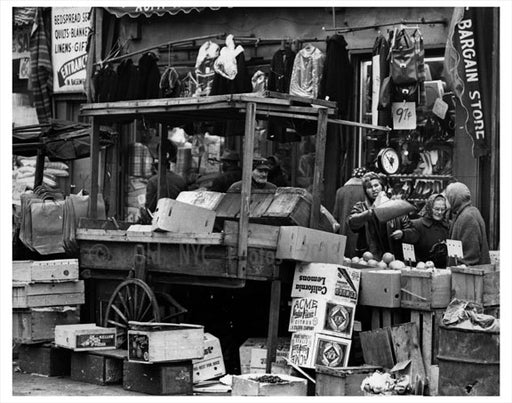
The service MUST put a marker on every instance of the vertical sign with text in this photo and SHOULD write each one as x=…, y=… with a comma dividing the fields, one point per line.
x=70, y=28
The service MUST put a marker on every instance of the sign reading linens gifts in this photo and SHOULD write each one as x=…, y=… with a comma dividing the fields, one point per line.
x=70, y=28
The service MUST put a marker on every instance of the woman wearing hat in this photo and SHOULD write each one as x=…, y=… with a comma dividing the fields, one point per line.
x=375, y=236
x=260, y=169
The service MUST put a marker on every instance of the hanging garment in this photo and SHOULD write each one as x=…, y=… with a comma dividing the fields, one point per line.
x=337, y=77
x=281, y=68
x=128, y=81
x=170, y=84
x=240, y=84
x=205, y=73
x=307, y=72
x=188, y=86
x=149, y=76
x=259, y=82
x=381, y=109
x=105, y=83
x=225, y=64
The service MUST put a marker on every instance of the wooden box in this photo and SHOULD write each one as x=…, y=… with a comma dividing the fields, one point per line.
x=469, y=362
x=343, y=381
x=212, y=364
x=44, y=359
x=171, y=378
x=29, y=295
x=160, y=342
x=247, y=385
x=229, y=206
x=253, y=354
x=477, y=283
x=175, y=216
x=425, y=289
x=85, y=337
x=29, y=271
x=380, y=288
x=201, y=198
x=38, y=324
x=310, y=245
x=100, y=367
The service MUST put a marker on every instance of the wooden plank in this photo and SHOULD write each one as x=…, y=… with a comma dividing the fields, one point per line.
x=287, y=110
x=162, y=164
x=433, y=382
x=83, y=234
x=318, y=174
x=34, y=301
x=259, y=235
x=252, y=97
x=273, y=323
x=491, y=289
x=94, y=156
x=375, y=320
x=386, y=317
x=427, y=338
x=155, y=110
x=303, y=100
x=377, y=348
x=406, y=345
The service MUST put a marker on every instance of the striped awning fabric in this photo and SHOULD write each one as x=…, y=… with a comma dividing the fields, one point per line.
x=135, y=12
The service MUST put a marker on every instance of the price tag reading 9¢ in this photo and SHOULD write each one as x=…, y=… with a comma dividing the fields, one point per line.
x=454, y=248
x=404, y=115
x=408, y=251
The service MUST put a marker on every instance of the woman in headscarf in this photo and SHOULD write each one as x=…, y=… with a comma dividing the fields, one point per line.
x=373, y=235
x=431, y=229
x=467, y=226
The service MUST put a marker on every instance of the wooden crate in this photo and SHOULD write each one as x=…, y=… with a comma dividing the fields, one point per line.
x=201, y=198
x=170, y=378
x=428, y=323
x=34, y=325
x=43, y=271
x=44, y=359
x=385, y=317
x=425, y=289
x=342, y=382
x=85, y=337
x=30, y=295
x=477, y=283
x=310, y=245
x=247, y=385
x=99, y=367
x=175, y=216
x=159, y=342
x=380, y=288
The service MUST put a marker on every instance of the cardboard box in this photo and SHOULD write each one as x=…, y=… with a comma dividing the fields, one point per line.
x=169, y=378
x=326, y=281
x=380, y=288
x=99, y=367
x=85, y=337
x=38, y=324
x=310, y=245
x=253, y=354
x=29, y=271
x=175, y=216
x=479, y=283
x=29, y=295
x=248, y=385
x=317, y=315
x=425, y=289
x=201, y=198
x=342, y=382
x=160, y=342
x=309, y=349
x=212, y=364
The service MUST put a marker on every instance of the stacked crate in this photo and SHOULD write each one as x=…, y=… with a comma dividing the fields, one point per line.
x=45, y=294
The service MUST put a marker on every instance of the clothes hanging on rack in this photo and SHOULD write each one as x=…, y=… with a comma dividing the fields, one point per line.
x=307, y=72
x=170, y=84
x=337, y=76
x=281, y=68
x=149, y=76
x=105, y=82
x=239, y=84
x=204, y=68
x=128, y=81
x=380, y=71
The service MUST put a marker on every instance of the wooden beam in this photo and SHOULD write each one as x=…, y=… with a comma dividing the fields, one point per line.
x=273, y=323
x=95, y=155
x=318, y=174
x=250, y=123
x=102, y=235
x=162, y=163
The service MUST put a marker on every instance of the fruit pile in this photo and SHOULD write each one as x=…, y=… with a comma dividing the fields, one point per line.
x=388, y=262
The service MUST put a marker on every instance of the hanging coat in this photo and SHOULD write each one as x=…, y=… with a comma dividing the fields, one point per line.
x=381, y=49
x=307, y=72
x=128, y=81
x=149, y=76
x=281, y=68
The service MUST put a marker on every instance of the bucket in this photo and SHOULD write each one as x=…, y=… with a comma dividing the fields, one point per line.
x=469, y=362
x=139, y=160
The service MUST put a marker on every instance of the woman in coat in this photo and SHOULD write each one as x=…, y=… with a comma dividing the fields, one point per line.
x=431, y=228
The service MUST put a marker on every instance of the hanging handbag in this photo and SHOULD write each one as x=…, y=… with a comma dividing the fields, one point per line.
x=403, y=66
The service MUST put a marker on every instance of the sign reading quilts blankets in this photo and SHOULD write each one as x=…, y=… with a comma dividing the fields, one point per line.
x=70, y=28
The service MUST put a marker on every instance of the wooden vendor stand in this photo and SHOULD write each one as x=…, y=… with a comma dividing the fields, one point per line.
x=123, y=249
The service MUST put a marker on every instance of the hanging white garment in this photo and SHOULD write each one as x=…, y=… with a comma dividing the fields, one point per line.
x=225, y=64
x=307, y=72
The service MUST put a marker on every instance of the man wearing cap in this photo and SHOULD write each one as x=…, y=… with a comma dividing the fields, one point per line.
x=231, y=172
x=260, y=169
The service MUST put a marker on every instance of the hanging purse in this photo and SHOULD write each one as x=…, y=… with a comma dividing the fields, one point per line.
x=403, y=66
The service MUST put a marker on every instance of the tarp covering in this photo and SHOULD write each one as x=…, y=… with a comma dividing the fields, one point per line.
x=135, y=12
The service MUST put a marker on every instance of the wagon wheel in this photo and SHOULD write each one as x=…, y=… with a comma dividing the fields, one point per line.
x=170, y=309
x=132, y=300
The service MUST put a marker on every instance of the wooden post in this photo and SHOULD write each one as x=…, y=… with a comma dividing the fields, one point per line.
x=318, y=174
x=245, y=197
x=162, y=163
x=95, y=155
x=273, y=323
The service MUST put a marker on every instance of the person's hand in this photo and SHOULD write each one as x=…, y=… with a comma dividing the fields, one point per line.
x=398, y=234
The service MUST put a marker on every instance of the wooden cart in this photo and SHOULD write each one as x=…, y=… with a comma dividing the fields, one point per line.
x=107, y=250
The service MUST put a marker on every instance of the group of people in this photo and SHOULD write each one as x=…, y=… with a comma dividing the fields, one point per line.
x=446, y=215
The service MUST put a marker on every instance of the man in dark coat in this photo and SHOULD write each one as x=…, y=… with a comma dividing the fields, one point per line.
x=276, y=175
x=346, y=197
x=467, y=226
x=259, y=179
x=231, y=172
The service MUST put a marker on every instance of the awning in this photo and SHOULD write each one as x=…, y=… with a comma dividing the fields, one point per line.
x=135, y=12
x=23, y=15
